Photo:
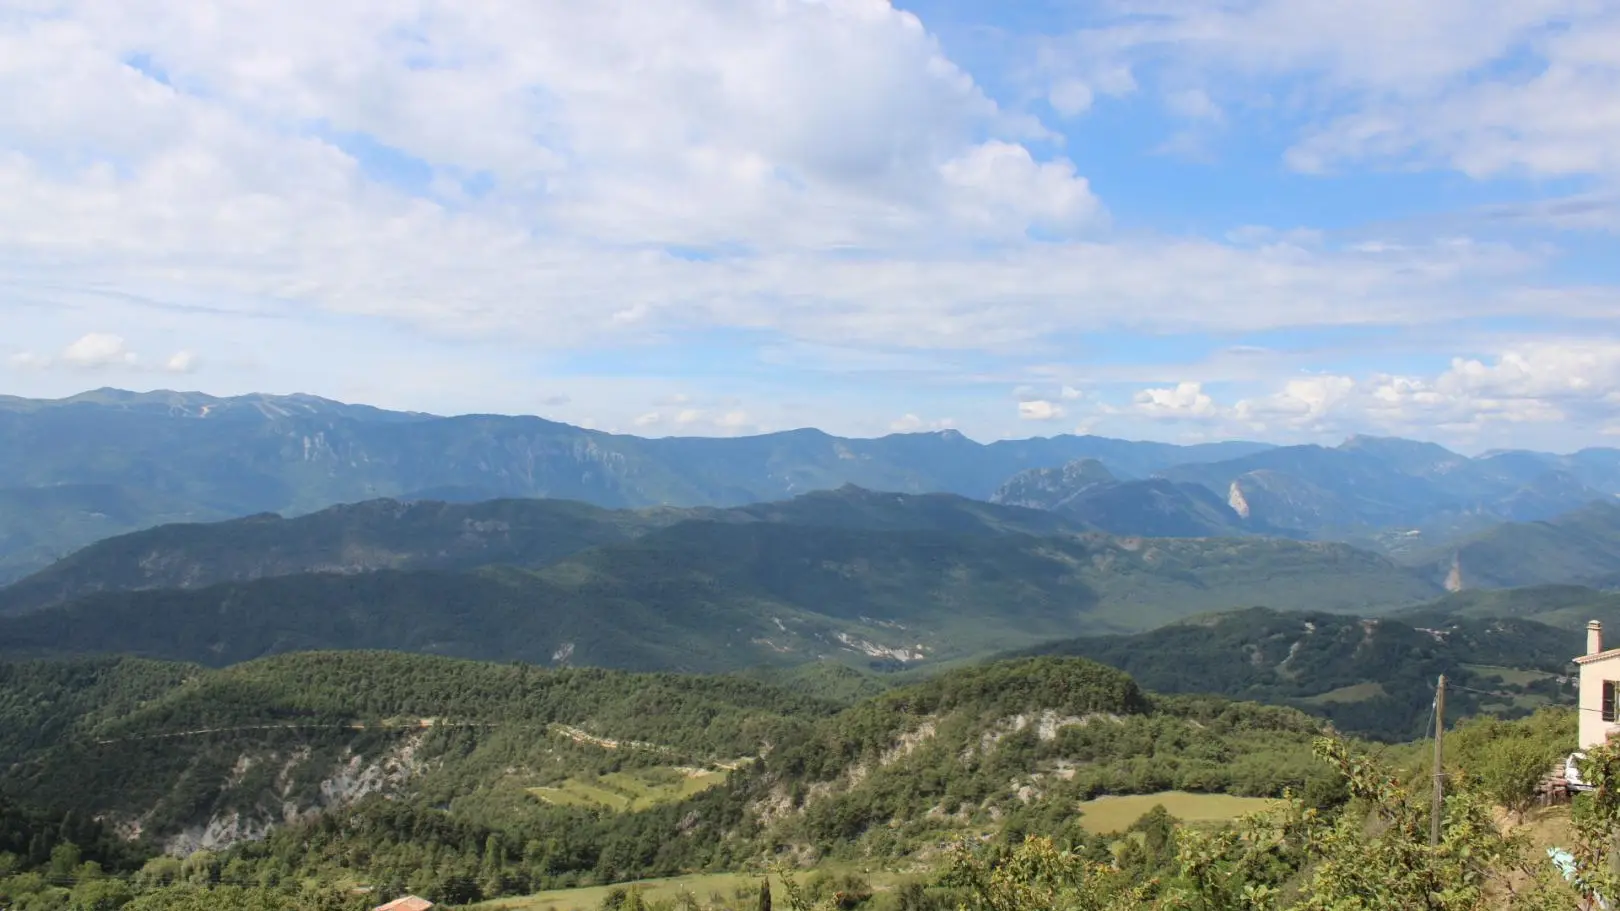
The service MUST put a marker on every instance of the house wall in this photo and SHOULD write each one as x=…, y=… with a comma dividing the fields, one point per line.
x=1594, y=731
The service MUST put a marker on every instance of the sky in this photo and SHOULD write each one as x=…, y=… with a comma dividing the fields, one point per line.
x=1183, y=220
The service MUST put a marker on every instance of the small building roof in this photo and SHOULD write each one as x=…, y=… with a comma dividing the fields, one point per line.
x=1600, y=656
x=408, y=903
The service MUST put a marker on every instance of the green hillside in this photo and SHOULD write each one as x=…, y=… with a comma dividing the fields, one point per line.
x=1579, y=548
x=389, y=534
x=444, y=768
x=727, y=594
x=1563, y=606
x=1372, y=677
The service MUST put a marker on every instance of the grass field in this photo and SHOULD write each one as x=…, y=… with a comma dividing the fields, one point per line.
x=1106, y=815
x=1358, y=692
x=634, y=790
x=700, y=885
x=1512, y=676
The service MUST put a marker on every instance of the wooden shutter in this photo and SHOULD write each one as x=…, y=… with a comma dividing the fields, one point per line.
x=1608, y=700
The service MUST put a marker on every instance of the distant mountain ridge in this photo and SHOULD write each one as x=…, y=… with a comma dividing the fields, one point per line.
x=1372, y=484
x=1577, y=548
x=219, y=458
x=1398, y=496
x=176, y=456
x=1087, y=492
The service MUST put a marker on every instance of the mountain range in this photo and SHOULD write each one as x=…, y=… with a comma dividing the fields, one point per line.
x=76, y=470
x=897, y=579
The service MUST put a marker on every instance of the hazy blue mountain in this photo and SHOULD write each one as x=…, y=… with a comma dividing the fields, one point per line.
x=1578, y=548
x=1369, y=488
x=39, y=525
x=219, y=457
x=1087, y=492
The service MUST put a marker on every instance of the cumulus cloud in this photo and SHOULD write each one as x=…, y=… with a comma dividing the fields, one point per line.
x=1039, y=410
x=1002, y=187
x=1548, y=383
x=769, y=139
x=1482, y=87
x=100, y=351
x=1184, y=400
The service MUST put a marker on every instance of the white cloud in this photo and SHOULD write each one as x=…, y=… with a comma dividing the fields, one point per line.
x=1184, y=400
x=648, y=419
x=98, y=349
x=834, y=188
x=1039, y=410
x=101, y=351
x=1002, y=187
x=1481, y=86
x=797, y=131
x=1568, y=384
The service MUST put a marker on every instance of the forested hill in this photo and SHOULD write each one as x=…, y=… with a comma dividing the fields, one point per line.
x=1372, y=677
x=706, y=595
x=513, y=778
x=431, y=535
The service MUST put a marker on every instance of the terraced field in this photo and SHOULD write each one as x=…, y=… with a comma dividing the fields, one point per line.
x=634, y=790
x=1114, y=814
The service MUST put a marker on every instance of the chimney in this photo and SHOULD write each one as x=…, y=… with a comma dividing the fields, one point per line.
x=1594, y=637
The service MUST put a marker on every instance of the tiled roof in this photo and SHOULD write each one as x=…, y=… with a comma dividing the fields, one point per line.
x=408, y=903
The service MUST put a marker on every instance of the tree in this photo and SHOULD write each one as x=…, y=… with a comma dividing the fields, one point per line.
x=1510, y=772
x=1297, y=858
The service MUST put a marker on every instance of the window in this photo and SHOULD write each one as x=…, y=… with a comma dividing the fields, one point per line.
x=1608, y=700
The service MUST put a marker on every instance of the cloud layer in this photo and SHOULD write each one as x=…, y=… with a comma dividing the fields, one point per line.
x=429, y=198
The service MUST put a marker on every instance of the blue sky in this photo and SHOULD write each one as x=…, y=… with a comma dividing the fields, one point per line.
x=1289, y=220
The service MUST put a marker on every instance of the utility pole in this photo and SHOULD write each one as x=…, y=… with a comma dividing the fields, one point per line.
x=1437, y=809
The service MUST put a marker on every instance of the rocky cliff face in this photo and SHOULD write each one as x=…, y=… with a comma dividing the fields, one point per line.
x=267, y=788
x=1051, y=488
